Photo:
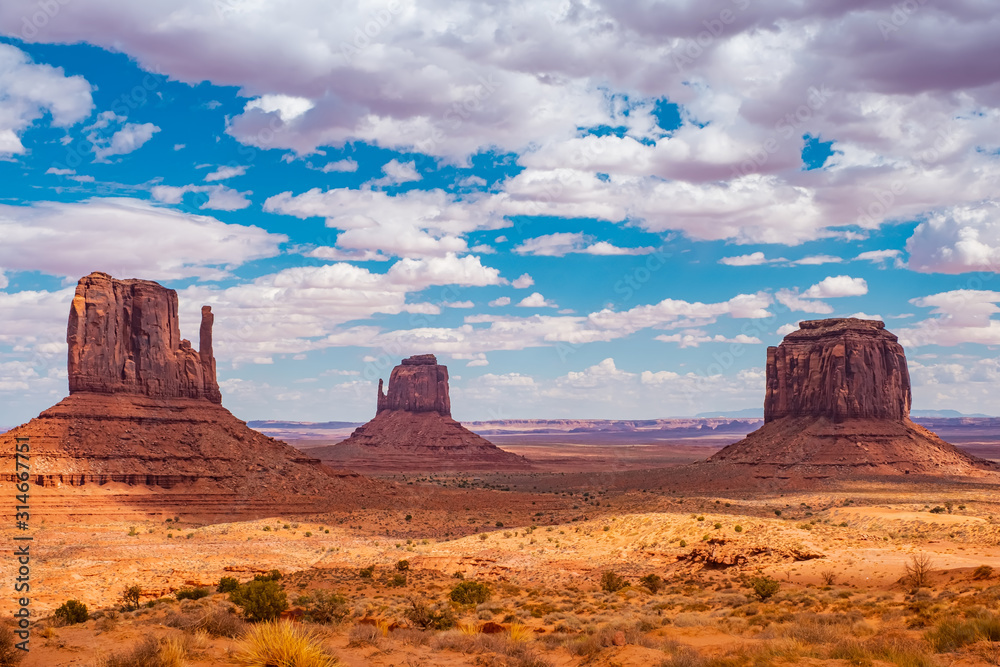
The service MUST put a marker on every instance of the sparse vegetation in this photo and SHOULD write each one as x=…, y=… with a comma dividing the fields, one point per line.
x=611, y=581
x=918, y=570
x=129, y=599
x=10, y=655
x=192, y=593
x=470, y=592
x=227, y=585
x=764, y=586
x=72, y=612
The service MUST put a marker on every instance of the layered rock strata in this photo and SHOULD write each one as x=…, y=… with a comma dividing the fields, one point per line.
x=837, y=403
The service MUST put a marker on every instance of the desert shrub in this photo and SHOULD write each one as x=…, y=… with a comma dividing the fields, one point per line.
x=918, y=570
x=71, y=612
x=953, y=633
x=282, y=643
x=222, y=622
x=682, y=543
x=10, y=655
x=470, y=592
x=764, y=586
x=829, y=577
x=147, y=653
x=192, y=593
x=653, y=582
x=260, y=600
x=611, y=581
x=273, y=575
x=364, y=634
x=432, y=617
x=327, y=607
x=982, y=572
x=227, y=585
x=397, y=580
x=403, y=565
x=130, y=598
x=588, y=645
x=738, y=528
x=937, y=510
x=367, y=572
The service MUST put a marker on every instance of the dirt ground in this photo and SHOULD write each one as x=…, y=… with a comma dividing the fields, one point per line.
x=543, y=544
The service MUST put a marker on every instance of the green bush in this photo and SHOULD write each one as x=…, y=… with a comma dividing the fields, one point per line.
x=470, y=592
x=192, y=593
x=430, y=617
x=612, y=581
x=327, y=608
x=72, y=612
x=403, y=565
x=260, y=600
x=398, y=580
x=227, y=585
x=982, y=572
x=367, y=572
x=764, y=586
x=653, y=582
x=738, y=528
x=273, y=575
x=130, y=598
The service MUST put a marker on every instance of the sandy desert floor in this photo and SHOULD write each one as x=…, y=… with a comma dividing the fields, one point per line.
x=839, y=557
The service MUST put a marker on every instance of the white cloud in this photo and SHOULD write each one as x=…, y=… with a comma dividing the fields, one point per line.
x=129, y=137
x=814, y=260
x=837, y=286
x=961, y=239
x=564, y=243
x=287, y=107
x=753, y=259
x=501, y=301
x=126, y=238
x=786, y=329
x=418, y=223
x=878, y=256
x=963, y=316
x=694, y=338
x=219, y=197
x=347, y=165
x=30, y=90
x=397, y=172
x=536, y=300
x=523, y=281
x=224, y=172
x=457, y=304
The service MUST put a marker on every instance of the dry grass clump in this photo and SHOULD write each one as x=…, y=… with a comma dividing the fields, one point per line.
x=282, y=643
x=10, y=655
x=894, y=647
x=953, y=633
x=150, y=652
x=498, y=650
x=222, y=622
x=604, y=637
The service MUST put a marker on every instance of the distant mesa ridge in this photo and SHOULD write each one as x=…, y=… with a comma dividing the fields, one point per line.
x=837, y=402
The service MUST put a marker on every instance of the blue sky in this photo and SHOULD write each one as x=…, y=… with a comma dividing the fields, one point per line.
x=604, y=212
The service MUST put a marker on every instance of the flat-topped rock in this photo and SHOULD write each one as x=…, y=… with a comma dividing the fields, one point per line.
x=418, y=384
x=843, y=368
x=124, y=337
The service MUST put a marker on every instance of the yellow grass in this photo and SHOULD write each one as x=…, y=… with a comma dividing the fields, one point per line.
x=282, y=643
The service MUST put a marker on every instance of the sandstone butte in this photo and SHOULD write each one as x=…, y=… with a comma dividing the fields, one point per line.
x=145, y=410
x=413, y=428
x=837, y=403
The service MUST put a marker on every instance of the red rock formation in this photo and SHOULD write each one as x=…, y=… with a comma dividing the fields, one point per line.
x=413, y=428
x=838, y=368
x=837, y=403
x=124, y=337
x=418, y=384
x=144, y=410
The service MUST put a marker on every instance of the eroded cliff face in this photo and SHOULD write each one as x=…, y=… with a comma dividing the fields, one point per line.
x=418, y=384
x=840, y=369
x=124, y=337
x=837, y=404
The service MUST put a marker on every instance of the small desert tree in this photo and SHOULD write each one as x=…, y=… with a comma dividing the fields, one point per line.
x=130, y=598
x=260, y=600
x=611, y=581
x=918, y=570
x=764, y=586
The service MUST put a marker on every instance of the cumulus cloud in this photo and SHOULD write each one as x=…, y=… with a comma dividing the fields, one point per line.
x=564, y=243
x=523, y=281
x=224, y=172
x=878, y=256
x=418, y=223
x=218, y=197
x=347, y=165
x=831, y=287
x=397, y=172
x=753, y=259
x=126, y=238
x=536, y=300
x=962, y=316
x=694, y=338
x=30, y=90
x=501, y=301
x=127, y=138
x=960, y=239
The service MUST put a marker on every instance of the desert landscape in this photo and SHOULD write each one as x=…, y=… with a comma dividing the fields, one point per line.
x=552, y=333
x=833, y=531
